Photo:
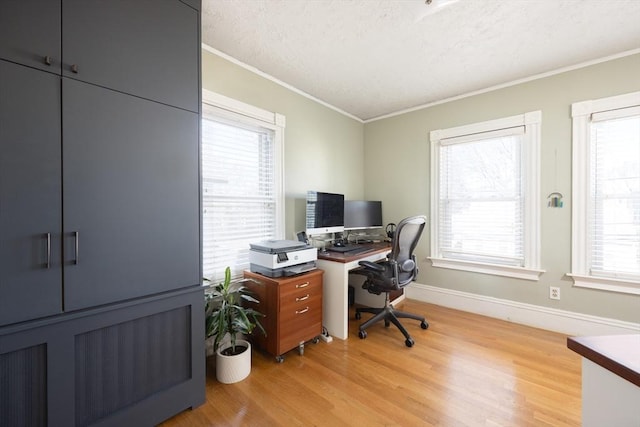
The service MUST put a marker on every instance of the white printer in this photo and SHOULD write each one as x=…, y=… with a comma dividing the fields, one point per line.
x=277, y=258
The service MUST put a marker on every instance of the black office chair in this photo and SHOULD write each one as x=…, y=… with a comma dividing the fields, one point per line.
x=395, y=273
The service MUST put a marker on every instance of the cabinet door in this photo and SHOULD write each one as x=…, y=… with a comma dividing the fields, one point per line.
x=30, y=196
x=131, y=198
x=30, y=32
x=148, y=48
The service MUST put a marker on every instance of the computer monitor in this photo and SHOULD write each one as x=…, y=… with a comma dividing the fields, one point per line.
x=362, y=214
x=325, y=213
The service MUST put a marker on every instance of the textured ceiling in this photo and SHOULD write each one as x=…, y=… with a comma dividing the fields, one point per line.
x=371, y=58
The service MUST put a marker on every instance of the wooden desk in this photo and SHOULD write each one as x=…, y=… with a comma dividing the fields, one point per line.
x=336, y=266
x=610, y=379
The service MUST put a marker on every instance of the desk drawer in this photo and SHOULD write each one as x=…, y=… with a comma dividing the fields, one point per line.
x=295, y=295
x=293, y=309
x=300, y=325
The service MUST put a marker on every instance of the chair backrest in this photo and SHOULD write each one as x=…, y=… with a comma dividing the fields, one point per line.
x=405, y=240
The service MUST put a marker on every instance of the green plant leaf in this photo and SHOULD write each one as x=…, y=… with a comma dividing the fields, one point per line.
x=225, y=314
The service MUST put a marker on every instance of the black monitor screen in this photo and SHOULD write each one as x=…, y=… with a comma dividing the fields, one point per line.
x=362, y=214
x=325, y=212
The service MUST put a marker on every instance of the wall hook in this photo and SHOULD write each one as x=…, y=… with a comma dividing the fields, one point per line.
x=555, y=200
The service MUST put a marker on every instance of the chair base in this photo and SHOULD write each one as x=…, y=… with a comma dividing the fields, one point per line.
x=389, y=315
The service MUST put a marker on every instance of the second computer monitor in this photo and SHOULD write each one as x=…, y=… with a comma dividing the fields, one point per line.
x=362, y=214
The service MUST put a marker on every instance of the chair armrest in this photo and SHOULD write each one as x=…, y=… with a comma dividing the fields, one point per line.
x=372, y=266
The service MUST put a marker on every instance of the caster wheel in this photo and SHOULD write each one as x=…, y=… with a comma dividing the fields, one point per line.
x=315, y=340
x=386, y=323
x=279, y=359
x=358, y=316
x=409, y=342
x=424, y=325
x=301, y=349
x=362, y=334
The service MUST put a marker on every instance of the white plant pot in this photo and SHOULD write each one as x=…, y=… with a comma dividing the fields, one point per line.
x=232, y=369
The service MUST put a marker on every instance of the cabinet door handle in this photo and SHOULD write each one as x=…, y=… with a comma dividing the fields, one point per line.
x=47, y=60
x=302, y=311
x=302, y=285
x=74, y=68
x=304, y=298
x=76, y=236
x=47, y=264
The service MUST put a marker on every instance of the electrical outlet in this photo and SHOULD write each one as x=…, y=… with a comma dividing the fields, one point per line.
x=554, y=292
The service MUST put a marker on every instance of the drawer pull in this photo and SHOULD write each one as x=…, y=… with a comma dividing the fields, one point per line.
x=48, y=263
x=302, y=311
x=302, y=285
x=304, y=298
x=76, y=236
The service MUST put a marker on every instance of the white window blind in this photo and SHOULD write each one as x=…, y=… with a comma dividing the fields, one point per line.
x=485, y=208
x=239, y=193
x=614, y=189
x=481, y=198
x=605, y=218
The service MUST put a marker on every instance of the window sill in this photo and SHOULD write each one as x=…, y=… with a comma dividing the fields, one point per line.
x=606, y=284
x=494, y=269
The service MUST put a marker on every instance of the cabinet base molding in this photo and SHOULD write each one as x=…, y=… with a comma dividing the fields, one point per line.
x=137, y=363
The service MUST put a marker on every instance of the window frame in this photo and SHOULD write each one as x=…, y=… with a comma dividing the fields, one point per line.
x=233, y=111
x=581, y=137
x=531, y=121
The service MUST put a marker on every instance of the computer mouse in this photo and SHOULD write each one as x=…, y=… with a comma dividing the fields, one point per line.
x=338, y=244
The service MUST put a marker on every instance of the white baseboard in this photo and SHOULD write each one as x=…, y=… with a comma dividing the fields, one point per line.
x=566, y=322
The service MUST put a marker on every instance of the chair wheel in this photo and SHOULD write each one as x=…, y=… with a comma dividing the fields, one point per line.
x=386, y=323
x=424, y=325
x=409, y=342
x=362, y=334
x=358, y=315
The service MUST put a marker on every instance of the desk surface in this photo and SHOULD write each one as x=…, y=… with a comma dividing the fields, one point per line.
x=619, y=354
x=346, y=257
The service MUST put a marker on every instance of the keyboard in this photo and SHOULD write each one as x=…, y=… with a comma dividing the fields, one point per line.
x=349, y=249
x=345, y=248
x=359, y=250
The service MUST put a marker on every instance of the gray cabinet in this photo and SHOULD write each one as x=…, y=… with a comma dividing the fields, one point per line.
x=30, y=194
x=122, y=106
x=116, y=44
x=113, y=44
x=131, y=201
x=101, y=311
x=30, y=33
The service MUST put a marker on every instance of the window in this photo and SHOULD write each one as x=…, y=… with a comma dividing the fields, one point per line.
x=606, y=194
x=242, y=196
x=485, y=197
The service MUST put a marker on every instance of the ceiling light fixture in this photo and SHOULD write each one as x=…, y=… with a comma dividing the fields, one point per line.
x=439, y=3
x=434, y=6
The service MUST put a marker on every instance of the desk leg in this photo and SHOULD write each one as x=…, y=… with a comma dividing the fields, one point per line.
x=335, y=304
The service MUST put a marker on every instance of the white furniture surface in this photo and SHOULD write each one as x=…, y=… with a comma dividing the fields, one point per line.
x=336, y=266
x=610, y=379
x=607, y=399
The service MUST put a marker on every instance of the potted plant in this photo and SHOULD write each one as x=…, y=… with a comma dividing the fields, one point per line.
x=226, y=317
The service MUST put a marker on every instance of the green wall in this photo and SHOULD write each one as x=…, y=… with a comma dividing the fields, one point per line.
x=388, y=160
x=324, y=149
x=401, y=144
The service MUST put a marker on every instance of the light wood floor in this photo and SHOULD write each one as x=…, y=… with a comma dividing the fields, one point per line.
x=465, y=370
